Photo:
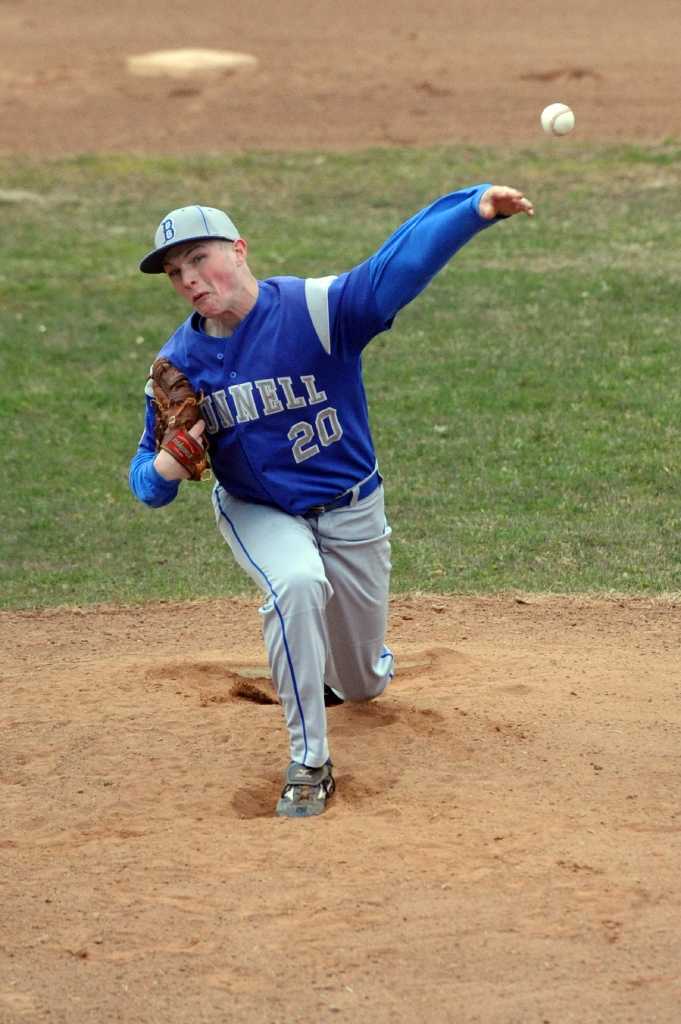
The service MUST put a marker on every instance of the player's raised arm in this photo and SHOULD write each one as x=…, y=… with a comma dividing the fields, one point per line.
x=409, y=259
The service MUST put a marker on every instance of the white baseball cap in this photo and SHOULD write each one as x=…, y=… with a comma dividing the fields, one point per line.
x=187, y=224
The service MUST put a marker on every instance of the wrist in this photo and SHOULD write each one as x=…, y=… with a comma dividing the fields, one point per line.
x=169, y=468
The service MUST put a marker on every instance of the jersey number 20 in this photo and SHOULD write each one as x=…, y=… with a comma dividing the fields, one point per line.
x=326, y=429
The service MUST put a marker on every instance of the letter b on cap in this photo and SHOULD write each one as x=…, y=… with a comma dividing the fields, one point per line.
x=168, y=229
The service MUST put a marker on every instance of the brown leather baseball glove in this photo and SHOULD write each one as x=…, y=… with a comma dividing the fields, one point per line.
x=176, y=405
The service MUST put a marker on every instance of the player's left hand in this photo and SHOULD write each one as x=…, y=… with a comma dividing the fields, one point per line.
x=502, y=201
x=170, y=469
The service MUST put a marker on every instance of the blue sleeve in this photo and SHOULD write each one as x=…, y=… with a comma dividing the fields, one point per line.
x=364, y=301
x=146, y=483
x=422, y=246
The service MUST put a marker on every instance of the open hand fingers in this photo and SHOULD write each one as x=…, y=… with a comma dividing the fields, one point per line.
x=503, y=201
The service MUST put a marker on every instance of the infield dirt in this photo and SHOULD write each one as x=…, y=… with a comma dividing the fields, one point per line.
x=335, y=76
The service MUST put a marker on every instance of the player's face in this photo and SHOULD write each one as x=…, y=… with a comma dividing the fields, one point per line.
x=207, y=275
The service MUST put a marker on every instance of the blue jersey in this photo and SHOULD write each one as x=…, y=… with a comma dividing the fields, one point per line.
x=283, y=397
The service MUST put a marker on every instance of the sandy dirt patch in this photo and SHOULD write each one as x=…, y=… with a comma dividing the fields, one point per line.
x=335, y=76
x=503, y=846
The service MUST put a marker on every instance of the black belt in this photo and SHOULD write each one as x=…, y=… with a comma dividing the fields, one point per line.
x=347, y=498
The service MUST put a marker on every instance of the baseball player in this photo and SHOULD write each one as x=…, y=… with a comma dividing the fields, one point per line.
x=298, y=496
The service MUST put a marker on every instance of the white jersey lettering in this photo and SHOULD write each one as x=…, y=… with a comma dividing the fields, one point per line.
x=238, y=404
x=226, y=418
x=244, y=402
x=268, y=394
x=208, y=415
x=313, y=395
x=293, y=401
x=329, y=429
x=304, y=447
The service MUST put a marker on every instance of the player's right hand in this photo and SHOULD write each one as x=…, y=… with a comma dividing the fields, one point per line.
x=502, y=201
x=168, y=467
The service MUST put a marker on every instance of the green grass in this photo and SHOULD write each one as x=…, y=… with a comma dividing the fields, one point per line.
x=525, y=407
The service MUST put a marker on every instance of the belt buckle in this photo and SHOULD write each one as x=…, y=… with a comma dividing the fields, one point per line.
x=315, y=510
x=340, y=502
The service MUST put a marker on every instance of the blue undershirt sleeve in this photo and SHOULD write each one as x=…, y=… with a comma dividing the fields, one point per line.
x=409, y=259
x=147, y=484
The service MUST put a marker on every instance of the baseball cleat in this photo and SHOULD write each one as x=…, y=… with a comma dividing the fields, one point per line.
x=331, y=698
x=305, y=791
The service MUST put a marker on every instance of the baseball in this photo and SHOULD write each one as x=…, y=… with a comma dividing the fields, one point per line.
x=557, y=119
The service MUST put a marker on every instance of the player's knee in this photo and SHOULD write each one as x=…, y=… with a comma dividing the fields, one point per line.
x=362, y=687
x=303, y=588
x=374, y=690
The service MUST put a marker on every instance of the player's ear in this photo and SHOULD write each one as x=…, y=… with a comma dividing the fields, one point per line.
x=241, y=250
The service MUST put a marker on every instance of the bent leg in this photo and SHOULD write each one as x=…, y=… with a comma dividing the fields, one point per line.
x=354, y=544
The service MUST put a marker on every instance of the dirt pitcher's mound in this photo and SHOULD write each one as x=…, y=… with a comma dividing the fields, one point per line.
x=503, y=846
